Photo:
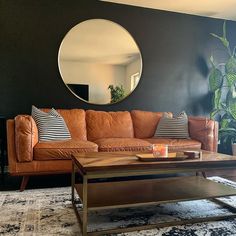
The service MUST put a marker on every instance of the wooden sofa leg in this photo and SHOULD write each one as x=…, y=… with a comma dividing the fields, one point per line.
x=24, y=182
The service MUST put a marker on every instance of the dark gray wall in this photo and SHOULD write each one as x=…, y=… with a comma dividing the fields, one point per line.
x=175, y=50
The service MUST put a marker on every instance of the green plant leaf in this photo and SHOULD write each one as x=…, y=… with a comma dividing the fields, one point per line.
x=224, y=29
x=212, y=61
x=215, y=79
x=231, y=79
x=214, y=113
x=224, y=123
x=223, y=105
x=117, y=93
x=233, y=91
x=227, y=135
x=228, y=131
x=216, y=36
x=231, y=104
x=234, y=51
x=224, y=41
x=222, y=81
x=230, y=66
x=233, y=124
x=217, y=97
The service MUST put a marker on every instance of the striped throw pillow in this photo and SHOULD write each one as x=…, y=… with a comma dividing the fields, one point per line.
x=173, y=127
x=51, y=126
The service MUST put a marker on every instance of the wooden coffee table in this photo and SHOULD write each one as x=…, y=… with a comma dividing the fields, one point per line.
x=117, y=194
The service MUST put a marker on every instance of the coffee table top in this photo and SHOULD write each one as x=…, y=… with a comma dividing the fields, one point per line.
x=127, y=161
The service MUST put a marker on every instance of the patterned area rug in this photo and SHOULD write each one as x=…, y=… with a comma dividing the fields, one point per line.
x=49, y=212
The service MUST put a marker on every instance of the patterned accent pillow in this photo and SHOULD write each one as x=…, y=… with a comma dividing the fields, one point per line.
x=173, y=127
x=51, y=125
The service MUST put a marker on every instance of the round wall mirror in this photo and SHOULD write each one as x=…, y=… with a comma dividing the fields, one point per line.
x=100, y=62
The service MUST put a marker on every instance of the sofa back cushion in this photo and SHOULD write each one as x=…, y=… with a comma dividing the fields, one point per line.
x=101, y=124
x=75, y=121
x=145, y=123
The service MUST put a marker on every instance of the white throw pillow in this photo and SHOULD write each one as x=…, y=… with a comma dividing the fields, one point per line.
x=51, y=125
x=173, y=127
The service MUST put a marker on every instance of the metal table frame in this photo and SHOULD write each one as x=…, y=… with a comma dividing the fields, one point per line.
x=83, y=222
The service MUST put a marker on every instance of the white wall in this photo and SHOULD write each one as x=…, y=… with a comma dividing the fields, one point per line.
x=132, y=68
x=97, y=76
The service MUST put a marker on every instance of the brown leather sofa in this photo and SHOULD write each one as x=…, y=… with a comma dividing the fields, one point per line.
x=93, y=131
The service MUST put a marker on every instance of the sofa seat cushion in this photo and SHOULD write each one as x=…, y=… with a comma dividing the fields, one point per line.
x=176, y=144
x=122, y=144
x=62, y=150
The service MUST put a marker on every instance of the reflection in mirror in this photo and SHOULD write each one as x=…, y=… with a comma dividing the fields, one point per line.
x=99, y=61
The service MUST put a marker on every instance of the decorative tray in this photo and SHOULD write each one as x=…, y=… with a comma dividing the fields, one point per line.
x=172, y=156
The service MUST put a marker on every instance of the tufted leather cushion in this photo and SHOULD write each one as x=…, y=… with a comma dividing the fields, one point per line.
x=75, y=121
x=122, y=144
x=176, y=144
x=62, y=149
x=145, y=123
x=101, y=124
x=26, y=136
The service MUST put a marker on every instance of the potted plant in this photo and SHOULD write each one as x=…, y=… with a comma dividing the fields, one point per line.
x=222, y=83
x=117, y=93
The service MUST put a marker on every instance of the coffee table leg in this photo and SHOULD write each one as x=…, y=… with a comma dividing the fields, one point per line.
x=73, y=197
x=85, y=205
x=204, y=174
x=73, y=183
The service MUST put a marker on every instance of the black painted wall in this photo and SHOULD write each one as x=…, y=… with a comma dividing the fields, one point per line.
x=175, y=50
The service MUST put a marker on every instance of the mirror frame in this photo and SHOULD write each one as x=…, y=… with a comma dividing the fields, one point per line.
x=76, y=95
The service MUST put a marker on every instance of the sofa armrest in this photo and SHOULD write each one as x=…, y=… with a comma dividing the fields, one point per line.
x=205, y=131
x=26, y=137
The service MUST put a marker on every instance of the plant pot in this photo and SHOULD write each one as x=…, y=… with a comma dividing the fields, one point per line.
x=234, y=149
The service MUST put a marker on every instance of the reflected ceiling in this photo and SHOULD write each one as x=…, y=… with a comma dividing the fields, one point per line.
x=99, y=42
